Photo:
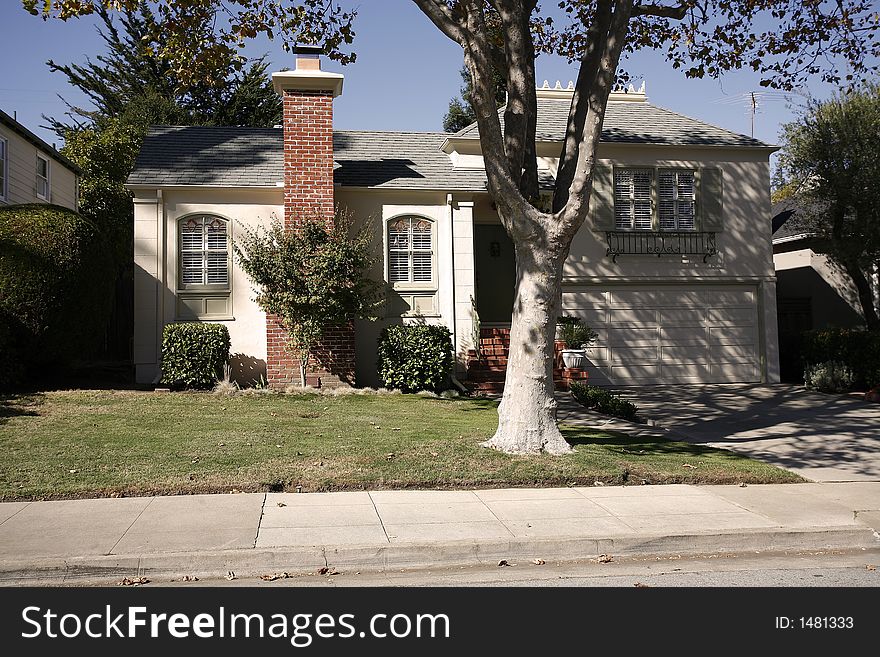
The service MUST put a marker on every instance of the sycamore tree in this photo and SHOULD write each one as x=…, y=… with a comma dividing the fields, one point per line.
x=831, y=162
x=785, y=41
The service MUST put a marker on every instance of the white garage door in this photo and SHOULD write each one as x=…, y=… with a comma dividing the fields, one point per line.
x=670, y=334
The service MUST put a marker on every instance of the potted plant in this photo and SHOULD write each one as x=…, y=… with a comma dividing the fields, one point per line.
x=576, y=335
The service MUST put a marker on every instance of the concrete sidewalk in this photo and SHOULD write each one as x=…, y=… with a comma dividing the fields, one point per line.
x=162, y=538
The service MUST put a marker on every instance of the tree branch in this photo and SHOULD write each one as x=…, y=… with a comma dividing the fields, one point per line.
x=661, y=11
x=575, y=211
x=440, y=14
x=589, y=69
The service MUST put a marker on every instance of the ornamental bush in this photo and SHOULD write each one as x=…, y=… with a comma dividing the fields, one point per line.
x=858, y=349
x=415, y=357
x=194, y=354
x=56, y=282
x=832, y=376
x=604, y=401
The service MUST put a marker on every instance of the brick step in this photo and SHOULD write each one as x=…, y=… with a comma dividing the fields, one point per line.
x=487, y=387
x=479, y=377
x=491, y=332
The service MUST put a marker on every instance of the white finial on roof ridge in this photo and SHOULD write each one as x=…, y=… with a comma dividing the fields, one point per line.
x=570, y=86
x=546, y=84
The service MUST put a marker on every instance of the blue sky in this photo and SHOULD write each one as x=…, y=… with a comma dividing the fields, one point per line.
x=405, y=74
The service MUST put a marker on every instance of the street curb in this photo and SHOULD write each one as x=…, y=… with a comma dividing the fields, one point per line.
x=251, y=563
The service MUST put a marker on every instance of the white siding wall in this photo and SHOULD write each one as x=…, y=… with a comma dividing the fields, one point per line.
x=22, y=174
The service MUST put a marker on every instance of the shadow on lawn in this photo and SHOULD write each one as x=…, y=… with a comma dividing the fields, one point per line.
x=18, y=405
x=636, y=445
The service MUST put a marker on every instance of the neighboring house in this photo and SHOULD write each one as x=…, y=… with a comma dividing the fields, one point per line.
x=673, y=268
x=32, y=171
x=812, y=291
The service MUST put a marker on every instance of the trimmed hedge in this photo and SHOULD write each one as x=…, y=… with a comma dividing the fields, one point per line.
x=604, y=401
x=858, y=349
x=194, y=354
x=415, y=357
x=56, y=282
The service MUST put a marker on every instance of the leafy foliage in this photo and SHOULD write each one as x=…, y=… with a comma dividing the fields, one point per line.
x=832, y=155
x=575, y=333
x=604, y=401
x=858, y=350
x=194, y=354
x=312, y=277
x=830, y=376
x=54, y=286
x=415, y=357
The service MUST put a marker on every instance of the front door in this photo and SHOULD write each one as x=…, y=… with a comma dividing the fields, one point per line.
x=495, y=263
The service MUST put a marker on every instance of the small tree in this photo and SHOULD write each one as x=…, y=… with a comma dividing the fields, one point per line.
x=831, y=155
x=311, y=278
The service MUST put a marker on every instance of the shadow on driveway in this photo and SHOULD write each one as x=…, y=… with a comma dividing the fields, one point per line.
x=821, y=437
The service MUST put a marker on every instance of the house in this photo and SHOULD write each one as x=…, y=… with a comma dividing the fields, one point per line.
x=673, y=268
x=812, y=291
x=32, y=171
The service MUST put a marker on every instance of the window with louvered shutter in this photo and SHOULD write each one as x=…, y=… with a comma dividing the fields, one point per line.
x=676, y=190
x=410, y=250
x=632, y=199
x=204, y=252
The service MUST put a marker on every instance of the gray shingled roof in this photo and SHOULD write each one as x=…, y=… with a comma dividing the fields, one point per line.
x=243, y=157
x=252, y=157
x=632, y=123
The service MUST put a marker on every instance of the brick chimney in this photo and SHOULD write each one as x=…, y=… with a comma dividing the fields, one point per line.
x=308, y=94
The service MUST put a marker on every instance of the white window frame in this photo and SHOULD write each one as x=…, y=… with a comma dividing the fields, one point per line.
x=4, y=163
x=676, y=217
x=204, y=286
x=47, y=178
x=411, y=284
x=654, y=174
x=632, y=199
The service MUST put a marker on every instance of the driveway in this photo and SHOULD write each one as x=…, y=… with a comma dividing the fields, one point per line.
x=821, y=437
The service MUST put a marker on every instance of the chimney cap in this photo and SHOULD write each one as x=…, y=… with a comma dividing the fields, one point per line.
x=306, y=49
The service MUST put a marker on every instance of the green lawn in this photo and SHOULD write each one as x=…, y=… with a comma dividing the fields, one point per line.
x=102, y=443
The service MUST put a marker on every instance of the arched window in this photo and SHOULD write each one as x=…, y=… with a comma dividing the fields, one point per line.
x=410, y=250
x=204, y=252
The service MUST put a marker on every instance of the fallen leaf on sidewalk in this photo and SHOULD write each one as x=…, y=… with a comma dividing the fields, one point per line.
x=328, y=571
x=281, y=504
x=274, y=576
x=137, y=581
x=605, y=558
x=639, y=585
x=871, y=567
x=230, y=575
x=688, y=465
x=742, y=484
x=538, y=562
x=503, y=562
x=189, y=578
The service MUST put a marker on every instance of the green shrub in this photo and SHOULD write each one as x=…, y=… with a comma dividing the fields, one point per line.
x=832, y=376
x=859, y=350
x=56, y=282
x=194, y=354
x=604, y=401
x=415, y=357
x=11, y=353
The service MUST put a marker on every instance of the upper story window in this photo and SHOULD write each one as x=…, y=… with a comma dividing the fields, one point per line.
x=410, y=250
x=43, y=177
x=4, y=169
x=632, y=199
x=636, y=189
x=204, y=252
x=676, y=191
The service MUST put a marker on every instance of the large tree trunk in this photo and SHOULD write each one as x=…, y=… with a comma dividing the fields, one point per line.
x=866, y=295
x=527, y=415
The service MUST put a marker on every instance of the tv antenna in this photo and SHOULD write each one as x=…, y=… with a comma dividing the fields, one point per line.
x=753, y=102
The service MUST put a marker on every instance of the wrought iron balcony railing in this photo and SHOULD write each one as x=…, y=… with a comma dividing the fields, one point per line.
x=660, y=243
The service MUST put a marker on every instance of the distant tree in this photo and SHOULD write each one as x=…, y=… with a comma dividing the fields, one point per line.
x=461, y=110
x=831, y=156
x=311, y=278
